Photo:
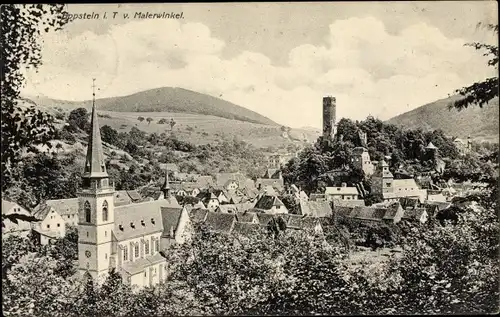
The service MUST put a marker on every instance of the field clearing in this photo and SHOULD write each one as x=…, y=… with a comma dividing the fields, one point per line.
x=203, y=129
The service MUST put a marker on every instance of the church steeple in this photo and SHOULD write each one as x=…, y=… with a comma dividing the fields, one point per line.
x=165, y=188
x=94, y=173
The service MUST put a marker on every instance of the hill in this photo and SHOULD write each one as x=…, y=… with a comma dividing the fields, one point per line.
x=478, y=123
x=194, y=128
x=167, y=99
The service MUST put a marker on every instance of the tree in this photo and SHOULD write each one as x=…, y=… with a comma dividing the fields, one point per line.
x=59, y=146
x=481, y=93
x=140, y=119
x=172, y=124
x=162, y=121
x=110, y=135
x=78, y=119
x=21, y=48
x=149, y=120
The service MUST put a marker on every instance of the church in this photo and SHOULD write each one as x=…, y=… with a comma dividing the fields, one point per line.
x=130, y=237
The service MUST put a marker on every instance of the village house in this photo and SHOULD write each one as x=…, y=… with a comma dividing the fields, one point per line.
x=342, y=193
x=298, y=193
x=416, y=215
x=315, y=208
x=361, y=160
x=271, y=205
x=391, y=190
x=53, y=215
x=21, y=228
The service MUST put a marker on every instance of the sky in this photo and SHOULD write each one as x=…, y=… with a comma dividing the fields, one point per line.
x=278, y=59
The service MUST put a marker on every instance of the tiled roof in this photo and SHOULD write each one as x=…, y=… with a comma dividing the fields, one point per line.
x=64, y=206
x=246, y=227
x=7, y=205
x=227, y=208
x=314, y=197
x=134, y=195
x=302, y=223
x=122, y=198
x=404, y=183
x=348, y=203
x=368, y=213
x=315, y=208
x=222, y=178
x=220, y=222
x=270, y=172
x=343, y=211
x=134, y=213
x=407, y=202
x=341, y=191
x=198, y=215
x=204, y=181
x=274, y=182
x=392, y=211
x=170, y=218
x=414, y=214
x=246, y=217
x=266, y=202
x=264, y=218
x=138, y=265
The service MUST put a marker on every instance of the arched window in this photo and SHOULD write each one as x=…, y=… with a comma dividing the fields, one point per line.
x=86, y=207
x=105, y=211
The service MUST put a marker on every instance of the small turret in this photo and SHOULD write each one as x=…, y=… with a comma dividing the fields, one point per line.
x=165, y=188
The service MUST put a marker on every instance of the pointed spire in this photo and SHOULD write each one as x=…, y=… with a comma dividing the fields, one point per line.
x=94, y=163
x=165, y=188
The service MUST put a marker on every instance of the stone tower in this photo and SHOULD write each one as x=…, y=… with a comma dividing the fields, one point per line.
x=361, y=160
x=382, y=180
x=96, y=210
x=329, y=117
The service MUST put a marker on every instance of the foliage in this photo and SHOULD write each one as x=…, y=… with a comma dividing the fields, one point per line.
x=78, y=119
x=110, y=135
x=481, y=93
x=23, y=126
x=140, y=119
x=149, y=120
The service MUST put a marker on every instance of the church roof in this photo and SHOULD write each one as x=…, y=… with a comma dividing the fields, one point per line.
x=94, y=161
x=139, y=219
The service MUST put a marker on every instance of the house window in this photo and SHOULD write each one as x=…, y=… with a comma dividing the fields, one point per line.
x=48, y=226
x=105, y=233
x=136, y=250
x=87, y=234
x=145, y=273
x=125, y=254
x=105, y=256
x=105, y=211
x=388, y=184
x=58, y=225
x=68, y=216
x=146, y=247
x=86, y=207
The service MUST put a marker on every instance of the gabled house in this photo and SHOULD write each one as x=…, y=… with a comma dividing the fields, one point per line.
x=416, y=215
x=368, y=214
x=247, y=217
x=271, y=204
x=315, y=208
x=341, y=193
x=394, y=213
x=304, y=223
x=177, y=227
x=22, y=227
x=277, y=184
x=220, y=222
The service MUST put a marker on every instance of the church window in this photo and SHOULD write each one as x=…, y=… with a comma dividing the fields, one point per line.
x=105, y=256
x=125, y=254
x=86, y=207
x=105, y=211
x=157, y=243
x=146, y=247
x=136, y=250
x=87, y=234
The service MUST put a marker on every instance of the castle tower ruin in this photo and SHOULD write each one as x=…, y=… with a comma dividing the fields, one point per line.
x=329, y=117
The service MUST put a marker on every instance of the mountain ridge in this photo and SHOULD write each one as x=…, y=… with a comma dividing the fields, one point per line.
x=165, y=99
x=478, y=123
